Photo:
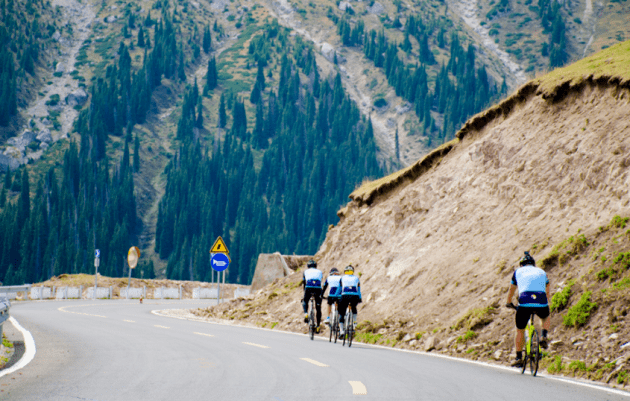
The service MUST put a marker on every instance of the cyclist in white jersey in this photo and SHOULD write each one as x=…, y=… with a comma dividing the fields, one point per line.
x=533, y=294
x=312, y=283
x=334, y=294
x=350, y=296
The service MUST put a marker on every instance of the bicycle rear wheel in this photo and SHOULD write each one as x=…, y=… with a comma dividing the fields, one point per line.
x=350, y=334
x=311, y=324
x=336, y=326
x=534, y=356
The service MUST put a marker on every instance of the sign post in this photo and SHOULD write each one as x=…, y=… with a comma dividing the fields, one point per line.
x=132, y=259
x=97, y=261
x=220, y=262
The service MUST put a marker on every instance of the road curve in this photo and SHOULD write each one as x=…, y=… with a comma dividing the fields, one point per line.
x=119, y=350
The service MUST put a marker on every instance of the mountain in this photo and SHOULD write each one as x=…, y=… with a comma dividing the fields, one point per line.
x=165, y=124
x=435, y=244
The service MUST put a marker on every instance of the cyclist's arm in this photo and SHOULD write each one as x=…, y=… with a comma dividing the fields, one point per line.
x=325, y=286
x=511, y=293
x=547, y=291
x=303, y=282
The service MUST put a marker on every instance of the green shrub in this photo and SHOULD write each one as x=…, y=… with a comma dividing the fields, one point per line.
x=54, y=99
x=368, y=338
x=605, y=273
x=579, y=313
x=467, y=337
x=574, y=366
x=624, y=259
x=560, y=299
x=619, y=222
x=622, y=377
x=556, y=366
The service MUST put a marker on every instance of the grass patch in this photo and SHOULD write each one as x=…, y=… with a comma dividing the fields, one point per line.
x=579, y=313
x=368, y=338
x=466, y=337
x=560, y=299
x=475, y=318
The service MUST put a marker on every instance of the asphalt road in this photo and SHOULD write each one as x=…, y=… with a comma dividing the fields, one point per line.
x=119, y=350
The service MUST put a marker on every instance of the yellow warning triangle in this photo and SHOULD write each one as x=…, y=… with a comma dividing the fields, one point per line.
x=219, y=246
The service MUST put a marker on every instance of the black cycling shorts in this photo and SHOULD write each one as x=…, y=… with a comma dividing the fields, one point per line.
x=332, y=300
x=524, y=312
x=315, y=293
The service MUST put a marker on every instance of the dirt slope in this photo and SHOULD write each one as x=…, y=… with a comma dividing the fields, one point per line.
x=436, y=244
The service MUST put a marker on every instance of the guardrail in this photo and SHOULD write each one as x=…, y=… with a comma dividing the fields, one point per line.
x=11, y=291
x=5, y=304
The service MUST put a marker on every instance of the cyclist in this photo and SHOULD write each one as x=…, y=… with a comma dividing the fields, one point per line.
x=350, y=296
x=312, y=283
x=335, y=291
x=533, y=294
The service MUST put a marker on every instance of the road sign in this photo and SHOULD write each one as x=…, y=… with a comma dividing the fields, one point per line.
x=219, y=246
x=97, y=253
x=132, y=256
x=220, y=262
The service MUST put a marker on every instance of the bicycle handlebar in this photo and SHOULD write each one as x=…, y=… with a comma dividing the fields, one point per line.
x=512, y=306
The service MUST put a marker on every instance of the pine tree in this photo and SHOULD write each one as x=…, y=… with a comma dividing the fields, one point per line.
x=211, y=75
x=140, y=37
x=207, y=40
x=222, y=114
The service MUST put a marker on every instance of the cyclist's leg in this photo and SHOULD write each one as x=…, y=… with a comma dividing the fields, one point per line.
x=318, y=305
x=543, y=314
x=354, y=303
x=343, y=305
x=521, y=320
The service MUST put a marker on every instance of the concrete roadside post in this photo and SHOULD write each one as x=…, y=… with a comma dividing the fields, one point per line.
x=132, y=259
x=97, y=261
x=219, y=262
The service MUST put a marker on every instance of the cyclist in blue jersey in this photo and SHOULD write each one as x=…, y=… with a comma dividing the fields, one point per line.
x=312, y=283
x=350, y=296
x=533, y=294
x=335, y=291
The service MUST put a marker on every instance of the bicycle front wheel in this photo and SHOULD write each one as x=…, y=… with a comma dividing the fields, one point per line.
x=336, y=326
x=534, y=356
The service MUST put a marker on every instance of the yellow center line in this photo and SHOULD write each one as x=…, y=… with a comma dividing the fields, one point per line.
x=63, y=309
x=204, y=334
x=358, y=388
x=323, y=365
x=255, y=345
x=130, y=321
x=163, y=327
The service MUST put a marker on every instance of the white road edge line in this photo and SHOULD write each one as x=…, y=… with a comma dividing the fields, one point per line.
x=203, y=334
x=29, y=352
x=323, y=365
x=499, y=367
x=162, y=327
x=255, y=345
x=358, y=388
x=128, y=321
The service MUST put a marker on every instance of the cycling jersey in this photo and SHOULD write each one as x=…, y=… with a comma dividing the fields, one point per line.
x=335, y=289
x=313, y=278
x=350, y=285
x=532, y=284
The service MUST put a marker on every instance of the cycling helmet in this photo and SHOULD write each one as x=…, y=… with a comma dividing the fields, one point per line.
x=334, y=270
x=527, y=260
x=311, y=264
x=348, y=270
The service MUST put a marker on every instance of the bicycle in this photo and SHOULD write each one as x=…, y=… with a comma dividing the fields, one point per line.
x=349, y=328
x=311, y=318
x=334, y=323
x=531, y=353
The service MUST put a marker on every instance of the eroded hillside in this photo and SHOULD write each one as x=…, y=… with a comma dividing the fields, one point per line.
x=435, y=244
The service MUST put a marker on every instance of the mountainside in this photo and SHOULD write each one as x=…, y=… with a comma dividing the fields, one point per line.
x=435, y=244
x=259, y=90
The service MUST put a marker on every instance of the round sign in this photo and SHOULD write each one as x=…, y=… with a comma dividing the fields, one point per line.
x=220, y=262
x=132, y=256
